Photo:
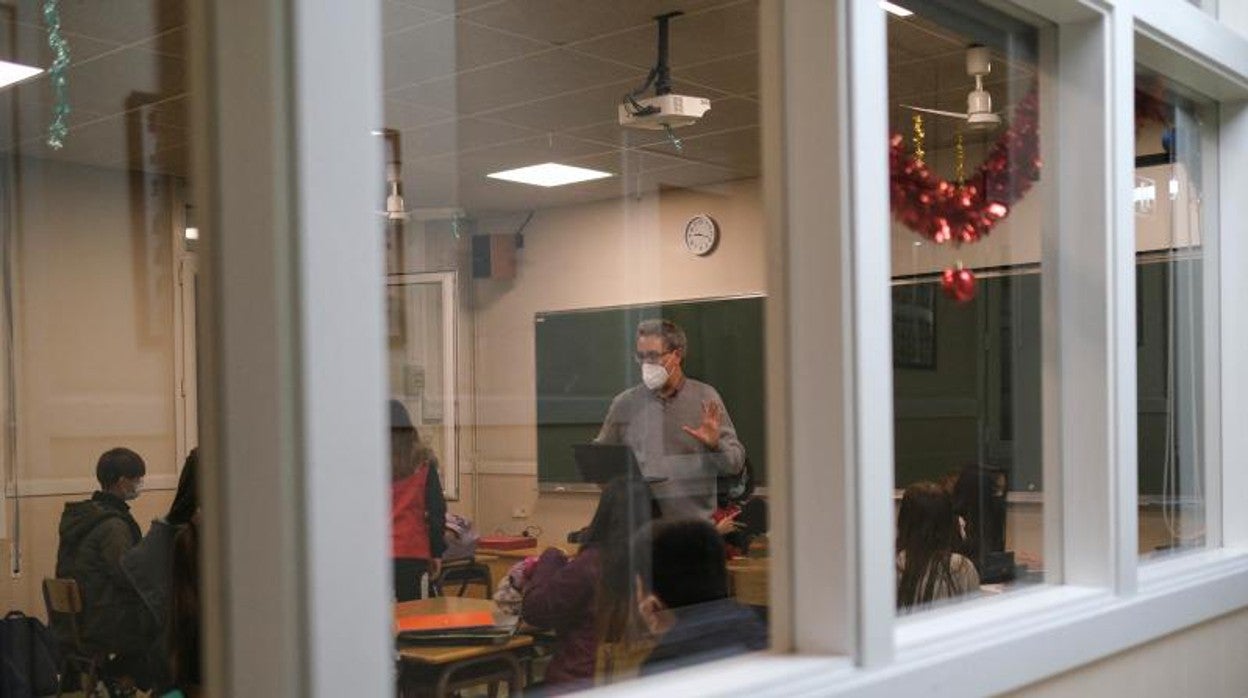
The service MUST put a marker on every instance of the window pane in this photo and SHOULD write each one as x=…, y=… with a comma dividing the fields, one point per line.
x=967, y=193
x=1175, y=183
x=578, y=351
x=98, y=386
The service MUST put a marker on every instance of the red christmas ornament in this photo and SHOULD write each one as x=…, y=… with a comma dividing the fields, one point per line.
x=963, y=213
x=958, y=284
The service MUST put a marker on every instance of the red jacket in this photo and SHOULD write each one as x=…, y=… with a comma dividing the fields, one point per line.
x=417, y=515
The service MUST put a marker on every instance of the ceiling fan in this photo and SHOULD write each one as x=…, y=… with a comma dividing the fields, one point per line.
x=979, y=115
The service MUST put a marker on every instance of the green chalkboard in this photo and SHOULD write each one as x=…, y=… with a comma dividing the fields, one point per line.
x=585, y=358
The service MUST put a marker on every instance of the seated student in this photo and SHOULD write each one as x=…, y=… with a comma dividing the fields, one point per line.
x=94, y=535
x=927, y=531
x=149, y=567
x=417, y=509
x=683, y=597
x=739, y=516
x=589, y=599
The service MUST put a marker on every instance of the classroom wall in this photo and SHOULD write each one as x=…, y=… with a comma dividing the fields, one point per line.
x=1205, y=660
x=94, y=349
x=606, y=253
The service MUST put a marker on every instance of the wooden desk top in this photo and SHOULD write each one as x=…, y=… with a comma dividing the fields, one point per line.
x=567, y=548
x=445, y=654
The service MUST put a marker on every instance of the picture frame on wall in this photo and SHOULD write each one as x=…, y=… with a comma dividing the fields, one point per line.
x=914, y=326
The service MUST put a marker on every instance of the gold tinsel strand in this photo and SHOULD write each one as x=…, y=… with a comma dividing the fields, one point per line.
x=959, y=159
x=919, y=136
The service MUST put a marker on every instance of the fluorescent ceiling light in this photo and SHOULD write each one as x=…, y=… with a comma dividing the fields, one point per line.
x=192, y=233
x=13, y=73
x=549, y=174
x=894, y=9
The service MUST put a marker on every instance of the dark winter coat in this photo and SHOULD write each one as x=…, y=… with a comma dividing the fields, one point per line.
x=560, y=595
x=704, y=632
x=94, y=534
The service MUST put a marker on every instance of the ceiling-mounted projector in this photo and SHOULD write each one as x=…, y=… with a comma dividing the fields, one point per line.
x=670, y=111
x=663, y=111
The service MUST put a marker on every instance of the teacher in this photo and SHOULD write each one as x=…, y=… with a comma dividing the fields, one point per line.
x=677, y=427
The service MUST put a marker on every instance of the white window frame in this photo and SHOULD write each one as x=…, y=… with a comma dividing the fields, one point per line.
x=293, y=390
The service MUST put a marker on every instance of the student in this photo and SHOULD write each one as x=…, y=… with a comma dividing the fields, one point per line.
x=417, y=509
x=739, y=516
x=927, y=531
x=184, y=613
x=589, y=599
x=94, y=535
x=149, y=567
x=683, y=597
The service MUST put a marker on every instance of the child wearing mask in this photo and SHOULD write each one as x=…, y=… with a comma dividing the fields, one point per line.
x=417, y=511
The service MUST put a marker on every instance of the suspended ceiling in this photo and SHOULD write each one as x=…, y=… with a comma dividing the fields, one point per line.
x=475, y=86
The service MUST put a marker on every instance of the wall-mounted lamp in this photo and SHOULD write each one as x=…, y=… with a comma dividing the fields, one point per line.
x=190, y=229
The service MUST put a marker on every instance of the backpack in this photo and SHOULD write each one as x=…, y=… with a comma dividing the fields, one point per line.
x=28, y=657
x=461, y=538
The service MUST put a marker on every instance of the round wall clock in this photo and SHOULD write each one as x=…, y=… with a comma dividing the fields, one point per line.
x=701, y=235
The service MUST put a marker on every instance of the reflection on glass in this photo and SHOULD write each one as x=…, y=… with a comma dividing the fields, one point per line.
x=966, y=190
x=1174, y=181
x=585, y=183
x=97, y=339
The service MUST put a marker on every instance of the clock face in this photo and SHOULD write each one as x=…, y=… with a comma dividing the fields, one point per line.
x=701, y=235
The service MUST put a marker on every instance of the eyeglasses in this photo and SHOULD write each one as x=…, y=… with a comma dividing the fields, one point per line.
x=651, y=357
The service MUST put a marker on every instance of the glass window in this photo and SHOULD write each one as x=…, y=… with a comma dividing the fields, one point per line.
x=97, y=387
x=1175, y=190
x=573, y=213
x=967, y=191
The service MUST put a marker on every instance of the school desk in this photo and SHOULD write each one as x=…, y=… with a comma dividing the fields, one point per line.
x=452, y=668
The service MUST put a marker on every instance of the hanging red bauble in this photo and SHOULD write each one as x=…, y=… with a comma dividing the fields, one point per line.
x=944, y=211
x=958, y=283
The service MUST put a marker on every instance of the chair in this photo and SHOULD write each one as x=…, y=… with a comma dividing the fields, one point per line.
x=64, y=605
x=464, y=572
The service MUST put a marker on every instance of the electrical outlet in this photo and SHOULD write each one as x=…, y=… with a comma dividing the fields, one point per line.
x=520, y=513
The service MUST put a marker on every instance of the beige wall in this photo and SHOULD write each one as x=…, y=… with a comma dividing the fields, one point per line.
x=1206, y=661
x=94, y=349
x=622, y=251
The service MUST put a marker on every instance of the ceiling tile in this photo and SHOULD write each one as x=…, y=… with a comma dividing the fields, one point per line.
x=117, y=21
x=695, y=38
x=448, y=8
x=28, y=44
x=525, y=80
x=732, y=75
x=107, y=83
x=404, y=116
x=170, y=43
x=398, y=16
x=23, y=119
x=442, y=48
x=108, y=142
x=566, y=21
x=738, y=150
x=459, y=136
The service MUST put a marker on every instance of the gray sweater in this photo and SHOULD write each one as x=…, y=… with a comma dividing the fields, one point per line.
x=651, y=426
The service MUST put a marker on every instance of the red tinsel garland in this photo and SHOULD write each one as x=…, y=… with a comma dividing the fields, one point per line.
x=943, y=211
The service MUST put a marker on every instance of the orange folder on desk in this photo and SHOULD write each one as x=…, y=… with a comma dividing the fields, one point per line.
x=446, y=621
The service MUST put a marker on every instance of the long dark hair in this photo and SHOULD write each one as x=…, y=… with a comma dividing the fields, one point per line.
x=186, y=500
x=926, y=533
x=626, y=505
x=184, y=609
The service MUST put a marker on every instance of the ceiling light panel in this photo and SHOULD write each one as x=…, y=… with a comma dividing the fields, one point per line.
x=549, y=174
x=13, y=73
x=892, y=8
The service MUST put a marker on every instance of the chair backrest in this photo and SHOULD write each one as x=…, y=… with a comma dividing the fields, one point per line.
x=63, y=601
x=62, y=596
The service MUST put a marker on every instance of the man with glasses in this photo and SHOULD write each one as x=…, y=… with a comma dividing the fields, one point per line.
x=677, y=427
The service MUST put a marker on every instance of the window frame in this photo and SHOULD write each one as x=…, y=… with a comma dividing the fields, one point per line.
x=289, y=393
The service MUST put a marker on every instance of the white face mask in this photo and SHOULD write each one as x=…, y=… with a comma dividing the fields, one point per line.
x=134, y=493
x=653, y=375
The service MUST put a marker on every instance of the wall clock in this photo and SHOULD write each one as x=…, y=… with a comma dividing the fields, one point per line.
x=701, y=235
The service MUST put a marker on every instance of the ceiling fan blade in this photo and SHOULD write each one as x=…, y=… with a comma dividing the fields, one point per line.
x=938, y=112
